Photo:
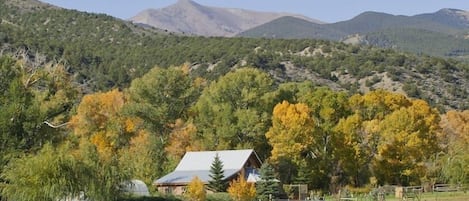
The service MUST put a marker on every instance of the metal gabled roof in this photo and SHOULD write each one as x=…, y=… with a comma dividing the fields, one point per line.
x=184, y=177
x=202, y=160
x=199, y=164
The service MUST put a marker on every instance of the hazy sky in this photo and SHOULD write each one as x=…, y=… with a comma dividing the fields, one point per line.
x=324, y=10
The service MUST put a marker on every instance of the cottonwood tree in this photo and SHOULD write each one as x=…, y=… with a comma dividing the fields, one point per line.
x=327, y=109
x=231, y=113
x=30, y=97
x=409, y=137
x=102, y=132
x=162, y=96
x=455, y=160
x=292, y=134
x=159, y=99
x=393, y=134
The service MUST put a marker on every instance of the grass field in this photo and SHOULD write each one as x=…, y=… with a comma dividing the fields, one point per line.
x=437, y=196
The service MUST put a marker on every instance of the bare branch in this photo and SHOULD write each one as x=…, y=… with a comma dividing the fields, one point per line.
x=56, y=126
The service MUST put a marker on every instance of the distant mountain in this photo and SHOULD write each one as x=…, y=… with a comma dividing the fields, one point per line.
x=452, y=17
x=443, y=33
x=374, y=21
x=291, y=27
x=189, y=17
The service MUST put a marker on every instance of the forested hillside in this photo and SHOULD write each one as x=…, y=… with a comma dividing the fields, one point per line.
x=103, y=52
x=414, y=40
x=443, y=33
x=89, y=101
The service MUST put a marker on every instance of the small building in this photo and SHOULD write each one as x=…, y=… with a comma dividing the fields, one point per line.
x=199, y=163
x=135, y=188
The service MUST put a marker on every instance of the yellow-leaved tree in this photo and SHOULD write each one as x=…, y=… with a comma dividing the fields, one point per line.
x=408, y=138
x=456, y=124
x=353, y=148
x=455, y=161
x=389, y=137
x=195, y=190
x=291, y=134
x=98, y=120
x=241, y=190
x=103, y=132
x=181, y=139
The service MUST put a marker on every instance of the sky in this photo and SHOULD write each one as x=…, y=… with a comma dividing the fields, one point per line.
x=323, y=10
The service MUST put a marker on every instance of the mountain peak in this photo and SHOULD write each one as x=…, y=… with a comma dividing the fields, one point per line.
x=186, y=3
x=448, y=10
x=449, y=16
x=189, y=17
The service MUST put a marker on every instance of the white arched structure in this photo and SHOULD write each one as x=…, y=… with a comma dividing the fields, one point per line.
x=136, y=187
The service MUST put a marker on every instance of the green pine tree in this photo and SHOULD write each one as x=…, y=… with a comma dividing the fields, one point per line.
x=303, y=175
x=268, y=188
x=216, y=182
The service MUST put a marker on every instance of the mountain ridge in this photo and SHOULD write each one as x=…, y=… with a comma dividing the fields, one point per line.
x=379, y=29
x=187, y=16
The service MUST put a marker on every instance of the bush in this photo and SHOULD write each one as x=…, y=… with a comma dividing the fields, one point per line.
x=219, y=197
x=159, y=198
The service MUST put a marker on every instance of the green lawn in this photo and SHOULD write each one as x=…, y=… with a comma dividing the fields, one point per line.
x=440, y=196
x=457, y=196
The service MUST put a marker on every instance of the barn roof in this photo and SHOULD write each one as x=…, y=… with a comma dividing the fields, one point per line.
x=199, y=163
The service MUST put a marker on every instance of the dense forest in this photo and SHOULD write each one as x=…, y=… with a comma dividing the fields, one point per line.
x=89, y=102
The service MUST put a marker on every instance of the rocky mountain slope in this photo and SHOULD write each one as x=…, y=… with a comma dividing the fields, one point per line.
x=189, y=17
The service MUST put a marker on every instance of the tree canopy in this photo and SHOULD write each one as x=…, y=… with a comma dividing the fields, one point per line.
x=314, y=135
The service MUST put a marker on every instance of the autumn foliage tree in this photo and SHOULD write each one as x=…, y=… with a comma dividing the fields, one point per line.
x=455, y=160
x=456, y=125
x=408, y=139
x=99, y=120
x=291, y=135
x=195, y=190
x=348, y=140
x=181, y=139
x=102, y=131
x=392, y=133
x=241, y=190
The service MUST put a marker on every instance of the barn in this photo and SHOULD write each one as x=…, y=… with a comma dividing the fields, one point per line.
x=198, y=164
